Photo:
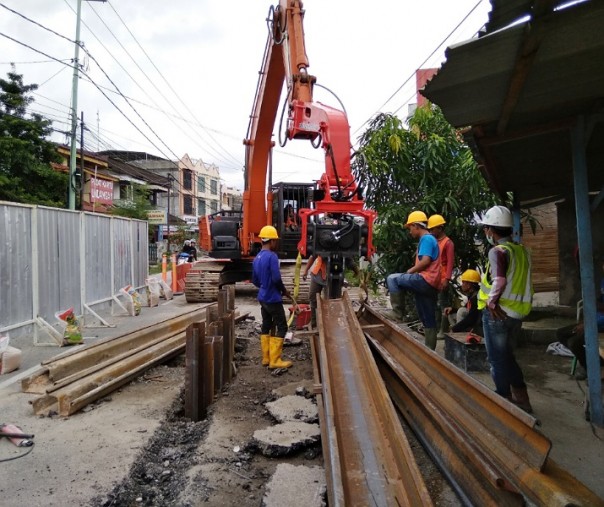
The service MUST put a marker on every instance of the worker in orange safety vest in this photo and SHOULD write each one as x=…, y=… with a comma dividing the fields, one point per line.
x=318, y=279
x=446, y=254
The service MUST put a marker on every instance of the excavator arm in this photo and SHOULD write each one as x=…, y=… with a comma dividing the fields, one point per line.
x=336, y=194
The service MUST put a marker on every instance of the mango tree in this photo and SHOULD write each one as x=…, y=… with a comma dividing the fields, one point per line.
x=427, y=166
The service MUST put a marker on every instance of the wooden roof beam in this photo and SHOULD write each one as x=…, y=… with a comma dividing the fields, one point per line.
x=533, y=35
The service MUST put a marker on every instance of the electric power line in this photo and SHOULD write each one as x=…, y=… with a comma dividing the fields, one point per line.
x=37, y=61
x=166, y=81
x=421, y=64
x=100, y=67
x=51, y=77
x=37, y=24
x=102, y=92
x=209, y=147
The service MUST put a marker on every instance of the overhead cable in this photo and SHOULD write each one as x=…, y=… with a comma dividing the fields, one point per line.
x=168, y=84
x=412, y=75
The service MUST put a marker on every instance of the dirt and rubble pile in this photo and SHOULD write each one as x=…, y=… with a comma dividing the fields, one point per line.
x=185, y=463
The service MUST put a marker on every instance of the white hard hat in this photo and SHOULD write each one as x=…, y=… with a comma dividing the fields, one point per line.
x=187, y=241
x=498, y=216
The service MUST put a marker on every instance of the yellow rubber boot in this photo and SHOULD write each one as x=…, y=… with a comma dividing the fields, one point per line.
x=265, y=343
x=275, y=354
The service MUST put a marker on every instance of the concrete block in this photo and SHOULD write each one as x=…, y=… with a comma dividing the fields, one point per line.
x=293, y=408
x=296, y=486
x=285, y=438
x=546, y=330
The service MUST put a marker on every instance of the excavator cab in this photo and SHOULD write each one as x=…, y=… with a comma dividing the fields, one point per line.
x=288, y=200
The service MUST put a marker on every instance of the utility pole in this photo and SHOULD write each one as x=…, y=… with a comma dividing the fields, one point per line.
x=82, y=176
x=74, y=108
x=168, y=217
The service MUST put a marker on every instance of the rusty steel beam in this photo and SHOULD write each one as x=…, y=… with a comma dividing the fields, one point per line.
x=493, y=437
x=370, y=460
x=330, y=448
x=195, y=396
x=85, y=360
x=475, y=482
x=217, y=345
x=71, y=398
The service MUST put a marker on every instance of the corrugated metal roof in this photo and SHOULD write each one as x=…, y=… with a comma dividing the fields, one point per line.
x=520, y=89
x=121, y=167
x=505, y=12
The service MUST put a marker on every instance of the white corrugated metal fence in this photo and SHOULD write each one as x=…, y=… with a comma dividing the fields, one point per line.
x=53, y=259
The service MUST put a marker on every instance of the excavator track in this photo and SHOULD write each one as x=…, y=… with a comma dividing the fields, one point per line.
x=203, y=279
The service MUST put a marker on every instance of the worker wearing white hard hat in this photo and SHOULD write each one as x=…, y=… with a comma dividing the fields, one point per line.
x=505, y=297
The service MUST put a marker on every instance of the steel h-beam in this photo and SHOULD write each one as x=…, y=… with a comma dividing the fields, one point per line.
x=578, y=145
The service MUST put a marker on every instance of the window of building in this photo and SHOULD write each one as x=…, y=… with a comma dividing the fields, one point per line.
x=214, y=187
x=187, y=180
x=214, y=206
x=187, y=203
x=201, y=184
x=201, y=207
x=125, y=191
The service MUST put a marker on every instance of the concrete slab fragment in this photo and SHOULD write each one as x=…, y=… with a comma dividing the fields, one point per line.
x=285, y=438
x=547, y=330
x=294, y=388
x=296, y=486
x=293, y=408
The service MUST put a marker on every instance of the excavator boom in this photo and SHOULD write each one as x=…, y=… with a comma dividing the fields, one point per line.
x=324, y=218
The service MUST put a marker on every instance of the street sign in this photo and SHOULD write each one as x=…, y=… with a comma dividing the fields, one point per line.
x=156, y=217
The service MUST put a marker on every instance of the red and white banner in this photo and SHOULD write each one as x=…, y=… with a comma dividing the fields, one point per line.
x=101, y=190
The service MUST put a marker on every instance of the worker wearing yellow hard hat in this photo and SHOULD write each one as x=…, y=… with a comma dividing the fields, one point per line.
x=422, y=279
x=267, y=277
x=268, y=232
x=446, y=252
x=468, y=317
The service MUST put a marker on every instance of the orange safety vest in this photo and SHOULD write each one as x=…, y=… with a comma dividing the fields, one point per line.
x=290, y=220
x=319, y=266
x=443, y=261
x=432, y=274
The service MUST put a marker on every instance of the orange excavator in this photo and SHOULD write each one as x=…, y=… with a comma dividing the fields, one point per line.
x=324, y=218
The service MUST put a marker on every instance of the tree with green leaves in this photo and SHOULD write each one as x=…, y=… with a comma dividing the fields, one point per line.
x=135, y=205
x=26, y=175
x=426, y=167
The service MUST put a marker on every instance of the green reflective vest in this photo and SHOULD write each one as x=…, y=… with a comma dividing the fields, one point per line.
x=517, y=297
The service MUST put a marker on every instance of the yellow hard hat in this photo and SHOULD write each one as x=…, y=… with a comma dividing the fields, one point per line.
x=470, y=275
x=416, y=216
x=268, y=232
x=435, y=221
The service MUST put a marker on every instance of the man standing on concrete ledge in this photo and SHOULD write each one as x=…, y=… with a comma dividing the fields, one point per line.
x=506, y=293
x=422, y=279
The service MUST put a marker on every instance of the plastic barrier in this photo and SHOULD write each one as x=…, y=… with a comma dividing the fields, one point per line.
x=181, y=272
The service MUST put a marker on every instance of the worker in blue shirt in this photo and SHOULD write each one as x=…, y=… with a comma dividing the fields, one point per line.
x=267, y=277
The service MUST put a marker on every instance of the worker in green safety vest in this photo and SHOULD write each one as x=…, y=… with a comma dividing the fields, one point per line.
x=505, y=296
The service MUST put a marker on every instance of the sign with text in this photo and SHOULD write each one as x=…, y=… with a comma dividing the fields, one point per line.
x=156, y=217
x=101, y=190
